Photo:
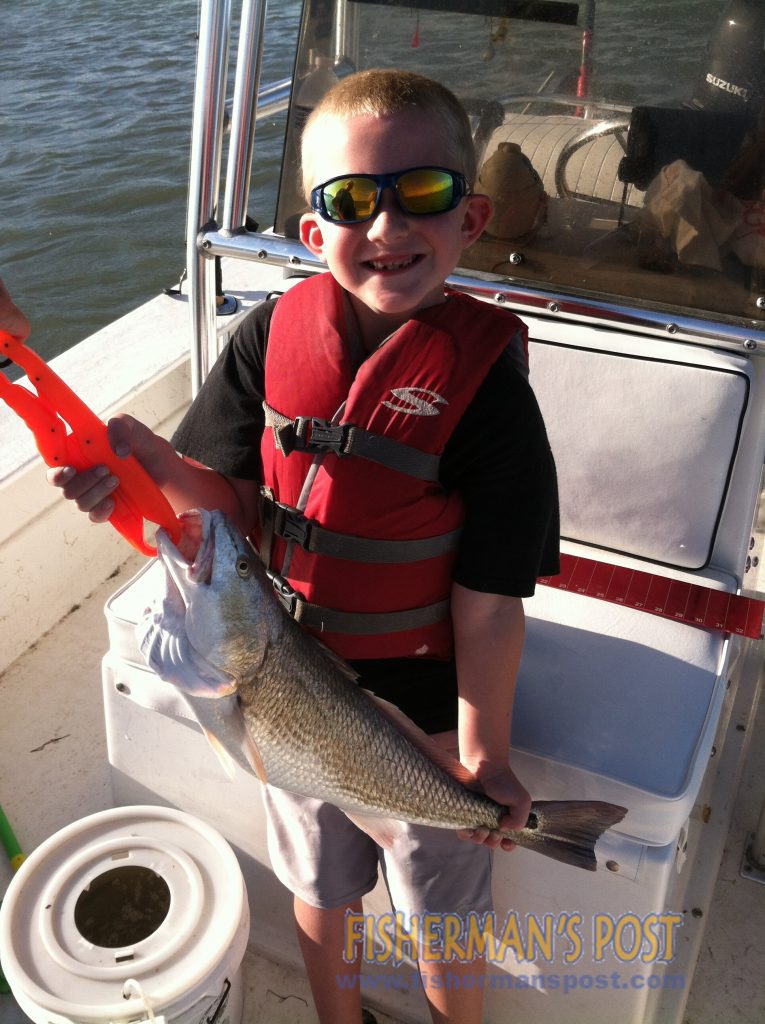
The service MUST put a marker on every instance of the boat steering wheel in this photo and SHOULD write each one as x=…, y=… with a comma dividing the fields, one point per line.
x=618, y=127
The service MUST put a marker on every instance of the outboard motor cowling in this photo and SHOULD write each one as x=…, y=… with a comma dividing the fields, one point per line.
x=733, y=77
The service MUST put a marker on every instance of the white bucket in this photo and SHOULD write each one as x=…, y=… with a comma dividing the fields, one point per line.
x=133, y=914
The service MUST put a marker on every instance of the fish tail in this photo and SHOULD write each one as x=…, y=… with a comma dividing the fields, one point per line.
x=567, y=830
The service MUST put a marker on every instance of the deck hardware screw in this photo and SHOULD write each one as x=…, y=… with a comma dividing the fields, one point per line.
x=206, y=244
x=553, y=307
x=755, y=562
x=750, y=344
x=671, y=328
x=295, y=260
x=612, y=865
x=262, y=254
x=740, y=728
x=713, y=751
x=697, y=912
x=499, y=298
x=515, y=258
x=751, y=543
x=760, y=302
x=122, y=688
x=748, y=565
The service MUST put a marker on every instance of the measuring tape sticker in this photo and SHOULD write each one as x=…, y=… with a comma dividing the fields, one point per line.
x=692, y=603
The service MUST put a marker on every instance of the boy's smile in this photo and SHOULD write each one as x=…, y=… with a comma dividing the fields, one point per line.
x=393, y=264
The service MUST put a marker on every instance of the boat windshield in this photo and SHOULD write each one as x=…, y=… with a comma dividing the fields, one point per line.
x=620, y=140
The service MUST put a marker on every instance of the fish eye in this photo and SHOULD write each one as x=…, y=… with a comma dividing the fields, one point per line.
x=244, y=567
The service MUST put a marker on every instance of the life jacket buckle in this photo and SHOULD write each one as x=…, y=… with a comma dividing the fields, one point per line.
x=319, y=435
x=290, y=524
x=285, y=593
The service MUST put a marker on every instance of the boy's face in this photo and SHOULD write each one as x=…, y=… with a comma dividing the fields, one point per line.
x=393, y=264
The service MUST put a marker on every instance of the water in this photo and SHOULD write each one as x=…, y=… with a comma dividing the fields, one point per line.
x=647, y=51
x=95, y=125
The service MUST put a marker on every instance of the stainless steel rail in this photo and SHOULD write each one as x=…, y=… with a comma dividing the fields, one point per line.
x=210, y=112
x=204, y=176
x=243, y=116
x=278, y=251
x=273, y=99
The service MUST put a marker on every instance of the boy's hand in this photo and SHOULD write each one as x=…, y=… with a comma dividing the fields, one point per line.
x=499, y=782
x=91, y=489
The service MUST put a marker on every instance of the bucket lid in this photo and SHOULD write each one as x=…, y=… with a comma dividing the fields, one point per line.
x=148, y=893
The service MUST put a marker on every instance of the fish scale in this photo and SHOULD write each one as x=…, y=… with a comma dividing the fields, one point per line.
x=328, y=766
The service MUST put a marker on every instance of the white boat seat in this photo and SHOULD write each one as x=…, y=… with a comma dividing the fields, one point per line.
x=615, y=704
x=644, y=441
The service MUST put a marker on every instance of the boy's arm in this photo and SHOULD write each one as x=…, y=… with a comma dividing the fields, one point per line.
x=488, y=638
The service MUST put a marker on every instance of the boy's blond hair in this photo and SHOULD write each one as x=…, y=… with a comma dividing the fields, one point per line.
x=381, y=92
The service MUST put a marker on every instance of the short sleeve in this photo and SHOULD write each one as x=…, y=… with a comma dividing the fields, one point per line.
x=224, y=425
x=499, y=458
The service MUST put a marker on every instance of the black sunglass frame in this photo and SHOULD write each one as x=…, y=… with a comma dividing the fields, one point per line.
x=460, y=189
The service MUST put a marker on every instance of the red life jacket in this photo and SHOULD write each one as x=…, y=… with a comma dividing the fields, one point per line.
x=366, y=563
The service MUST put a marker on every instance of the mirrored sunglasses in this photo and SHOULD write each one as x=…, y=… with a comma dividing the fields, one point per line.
x=419, y=191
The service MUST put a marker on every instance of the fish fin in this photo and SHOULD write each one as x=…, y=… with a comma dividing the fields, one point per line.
x=226, y=760
x=383, y=831
x=223, y=724
x=248, y=748
x=252, y=754
x=424, y=743
x=567, y=830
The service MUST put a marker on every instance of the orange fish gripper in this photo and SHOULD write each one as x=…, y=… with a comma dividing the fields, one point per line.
x=68, y=433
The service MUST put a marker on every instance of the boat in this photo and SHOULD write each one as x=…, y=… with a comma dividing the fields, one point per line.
x=627, y=237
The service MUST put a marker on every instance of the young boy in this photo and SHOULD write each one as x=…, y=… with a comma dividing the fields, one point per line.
x=434, y=534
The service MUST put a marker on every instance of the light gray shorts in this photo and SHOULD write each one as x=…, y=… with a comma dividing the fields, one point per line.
x=327, y=861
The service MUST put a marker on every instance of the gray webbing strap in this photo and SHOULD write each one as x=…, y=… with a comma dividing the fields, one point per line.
x=309, y=434
x=330, y=620
x=291, y=525
x=266, y=514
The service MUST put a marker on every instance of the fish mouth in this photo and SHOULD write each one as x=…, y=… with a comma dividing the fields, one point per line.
x=191, y=561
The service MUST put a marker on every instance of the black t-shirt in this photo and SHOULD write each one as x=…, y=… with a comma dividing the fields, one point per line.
x=498, y=458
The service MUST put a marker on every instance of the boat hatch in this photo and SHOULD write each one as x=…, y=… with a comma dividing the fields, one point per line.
x=648, y=207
